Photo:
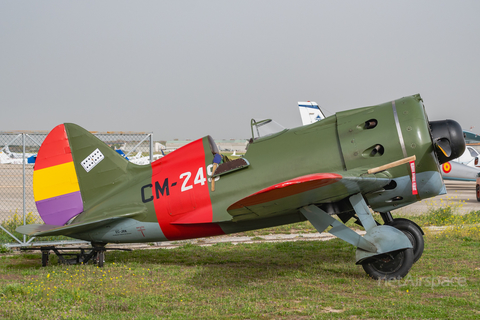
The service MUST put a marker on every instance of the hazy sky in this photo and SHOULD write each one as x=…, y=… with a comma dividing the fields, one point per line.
x=185, y=69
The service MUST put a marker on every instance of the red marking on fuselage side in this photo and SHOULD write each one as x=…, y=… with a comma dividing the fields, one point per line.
x=414, y=178
x=141, y=229
x=287, y=188
x=55, y=149
x=179, y=189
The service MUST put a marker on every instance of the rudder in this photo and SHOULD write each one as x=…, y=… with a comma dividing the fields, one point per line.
x=74, y=170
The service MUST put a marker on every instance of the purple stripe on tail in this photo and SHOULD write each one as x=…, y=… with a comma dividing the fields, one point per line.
x=58, y=210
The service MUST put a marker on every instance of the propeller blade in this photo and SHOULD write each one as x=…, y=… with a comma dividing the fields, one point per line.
x=444, y=146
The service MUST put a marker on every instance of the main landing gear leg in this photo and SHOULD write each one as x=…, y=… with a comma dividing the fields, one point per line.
x=387, y=217
x=384, y=252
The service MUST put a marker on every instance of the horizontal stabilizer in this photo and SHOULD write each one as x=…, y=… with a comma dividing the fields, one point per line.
x=31, y=229
x=37, y=230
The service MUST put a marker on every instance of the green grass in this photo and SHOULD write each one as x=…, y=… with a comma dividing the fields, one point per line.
x=4, y=249
x=288, y=280
x=459, y=226
x=446, y=216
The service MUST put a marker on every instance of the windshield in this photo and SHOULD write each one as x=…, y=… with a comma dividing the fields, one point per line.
x=473, y=152
x=265, y=128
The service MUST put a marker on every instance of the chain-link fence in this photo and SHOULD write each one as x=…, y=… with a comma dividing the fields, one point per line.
x=17, y=158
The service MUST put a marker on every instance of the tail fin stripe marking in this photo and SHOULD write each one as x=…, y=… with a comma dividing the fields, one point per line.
x=58, y=210
x=55, y=149
x=55, y=181
x=308, y=106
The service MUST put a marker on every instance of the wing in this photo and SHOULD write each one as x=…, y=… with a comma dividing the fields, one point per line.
x=288, y=196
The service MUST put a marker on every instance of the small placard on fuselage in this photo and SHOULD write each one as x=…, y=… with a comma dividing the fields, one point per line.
x=92, y=160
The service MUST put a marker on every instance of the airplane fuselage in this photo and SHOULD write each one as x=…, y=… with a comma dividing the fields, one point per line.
x=179, y=203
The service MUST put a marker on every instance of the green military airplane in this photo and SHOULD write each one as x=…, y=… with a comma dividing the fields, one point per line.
x=381, y=157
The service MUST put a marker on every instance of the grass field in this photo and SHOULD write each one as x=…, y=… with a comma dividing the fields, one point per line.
x=289, y=280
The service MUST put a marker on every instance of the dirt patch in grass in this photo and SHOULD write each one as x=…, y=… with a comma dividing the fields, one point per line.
x=331, y=310
x=9, y=277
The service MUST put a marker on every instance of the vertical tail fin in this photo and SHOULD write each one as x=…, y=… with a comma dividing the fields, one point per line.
x=73, y=171
x=310, y=112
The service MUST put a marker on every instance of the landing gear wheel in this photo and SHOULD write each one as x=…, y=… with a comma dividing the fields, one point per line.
x=99, y=253
x=478, y=192
x=100, y=258
x=45, y=257
x=413, y=232
x=389, y=266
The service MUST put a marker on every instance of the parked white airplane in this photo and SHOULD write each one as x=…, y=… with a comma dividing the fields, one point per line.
x=465, y=168
x=6, y=156
x=143, y=160
x=468, y=157
x=310, y=112
x=138, y=158
x=453, y=170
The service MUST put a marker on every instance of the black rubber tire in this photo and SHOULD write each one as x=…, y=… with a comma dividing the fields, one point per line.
x=413, y=232
x=477, y=189
x=100, y=258
x=45, y=258
x=389, y=266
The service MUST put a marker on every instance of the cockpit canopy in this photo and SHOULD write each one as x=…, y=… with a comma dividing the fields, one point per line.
x=264, y=128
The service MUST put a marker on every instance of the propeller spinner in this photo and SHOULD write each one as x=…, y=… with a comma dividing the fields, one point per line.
x=447, y=136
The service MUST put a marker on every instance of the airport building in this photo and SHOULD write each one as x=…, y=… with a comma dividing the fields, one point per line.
x=238, y=145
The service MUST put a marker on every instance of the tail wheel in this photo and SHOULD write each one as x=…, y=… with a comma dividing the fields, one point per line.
x=45, y=257
x=100, y=258
x=413, y=232
x=389, y=266
x=478, y=192
x=98, y=249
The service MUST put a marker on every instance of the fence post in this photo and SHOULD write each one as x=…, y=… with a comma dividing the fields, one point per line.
x=151, y=147
x=24, y=200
